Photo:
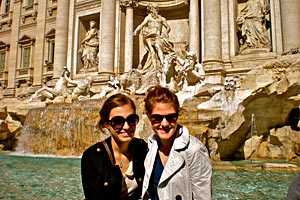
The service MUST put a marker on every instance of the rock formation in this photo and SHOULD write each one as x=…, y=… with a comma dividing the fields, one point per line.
x=270, y=93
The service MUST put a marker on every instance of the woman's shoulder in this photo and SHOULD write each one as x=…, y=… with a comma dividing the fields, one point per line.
x=138, y=143
x=139, y=147
x=92, y=149
x=194, y=144
x=197, y=144
x=95, y=148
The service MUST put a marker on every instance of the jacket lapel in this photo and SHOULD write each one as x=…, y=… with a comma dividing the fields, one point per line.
x=174, y=163
x=175, y=160
x=150, y=159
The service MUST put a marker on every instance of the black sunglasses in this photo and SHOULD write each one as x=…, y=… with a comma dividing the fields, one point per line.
x=157, y=119
x=117, y=122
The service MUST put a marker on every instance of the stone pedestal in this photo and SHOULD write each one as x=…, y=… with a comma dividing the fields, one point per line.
x=214, y=72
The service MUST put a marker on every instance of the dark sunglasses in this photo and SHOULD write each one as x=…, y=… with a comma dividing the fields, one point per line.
x=157, y=119
x=117, y=122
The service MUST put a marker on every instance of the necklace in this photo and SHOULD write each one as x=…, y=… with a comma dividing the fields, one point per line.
x=121, y=161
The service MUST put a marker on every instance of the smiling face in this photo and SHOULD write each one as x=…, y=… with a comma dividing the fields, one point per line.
x=165, y=130
x=125, y=134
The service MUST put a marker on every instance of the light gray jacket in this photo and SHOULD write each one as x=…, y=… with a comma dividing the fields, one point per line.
x=187, y=172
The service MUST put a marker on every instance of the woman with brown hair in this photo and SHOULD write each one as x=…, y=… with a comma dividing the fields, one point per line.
x=114, y=168
x=177, y=164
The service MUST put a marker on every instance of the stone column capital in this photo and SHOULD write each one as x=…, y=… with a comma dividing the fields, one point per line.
x=128, y=3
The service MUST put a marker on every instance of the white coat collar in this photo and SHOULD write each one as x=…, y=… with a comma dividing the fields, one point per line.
x=181, y=141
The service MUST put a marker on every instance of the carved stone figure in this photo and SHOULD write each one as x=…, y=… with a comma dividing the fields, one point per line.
x=191, y=72
x=113, y=86
x=168, y=71
x=90, y=47
x=156, y=39
x=252, y=25
x=82, y=88
x=230, y=83
x=50, y=93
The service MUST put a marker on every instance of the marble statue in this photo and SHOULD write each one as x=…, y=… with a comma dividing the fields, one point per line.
x=113, y=86
x=155, y=32
x=168, y=71
x=50, y=93
x=251, y=23
x=82, y=88
x=191, y=72
x=90, y=47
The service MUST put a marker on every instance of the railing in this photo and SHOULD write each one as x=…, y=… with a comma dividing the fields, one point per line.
x=47, y=72
x=24, y=75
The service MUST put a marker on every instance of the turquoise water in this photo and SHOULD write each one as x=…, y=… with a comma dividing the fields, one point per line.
x=59, y=178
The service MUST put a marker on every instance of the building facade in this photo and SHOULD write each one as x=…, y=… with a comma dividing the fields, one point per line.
x=229, y=37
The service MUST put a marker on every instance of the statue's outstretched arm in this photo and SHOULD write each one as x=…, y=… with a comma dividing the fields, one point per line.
x=140, y=26
x=70, y=80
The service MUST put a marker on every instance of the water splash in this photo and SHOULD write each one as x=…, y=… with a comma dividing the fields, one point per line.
x=60, y=130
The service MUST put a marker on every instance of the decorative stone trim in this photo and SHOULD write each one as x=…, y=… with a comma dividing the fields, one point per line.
x=33, y=15
x=162, y=3
x=4, y=46
x=3, y=79
x=51, y=9
x=24, y=75
x=25, y=40
x=8, y=22
x=128, y=3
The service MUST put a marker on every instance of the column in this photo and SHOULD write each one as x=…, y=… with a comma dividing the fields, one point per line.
x=39, y=45
x=194, y=37
x=107, y=36
x=16, y=7
x=212, y=30
x=290, y=14
x=128, y=38
x=61, y=37
x=212, y=55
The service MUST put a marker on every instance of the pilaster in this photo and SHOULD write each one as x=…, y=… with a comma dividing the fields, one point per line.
x=290, y=13
x=107, y=36
x=61, y=37
x=128, y=5
x=194, y=22
x=13, y=54
x=40, y=42
x=212, y=58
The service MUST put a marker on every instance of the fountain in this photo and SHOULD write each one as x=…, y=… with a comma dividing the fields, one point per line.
x=61, y=129
x=66, y=129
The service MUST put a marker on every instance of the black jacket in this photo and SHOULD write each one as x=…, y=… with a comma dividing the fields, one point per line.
x=101, y=179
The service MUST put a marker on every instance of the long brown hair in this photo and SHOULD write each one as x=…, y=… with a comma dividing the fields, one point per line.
x=112, y=102
x=158, y=94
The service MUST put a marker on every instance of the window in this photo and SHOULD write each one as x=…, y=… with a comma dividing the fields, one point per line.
x=26, y=57
x=50, y=39
x=51, y=51
x=29, y=3
x=2, y=61
x=7, y=6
